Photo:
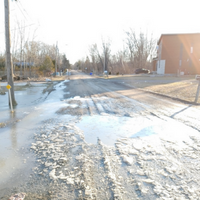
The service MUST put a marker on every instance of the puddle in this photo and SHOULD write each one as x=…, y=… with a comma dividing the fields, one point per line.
x=26, y=98
x=16, y=160
x=109, y=128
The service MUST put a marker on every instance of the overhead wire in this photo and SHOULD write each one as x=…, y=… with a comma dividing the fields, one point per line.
x=24, y=10
x=24, y=14
x=20, y=28
x=21, y=11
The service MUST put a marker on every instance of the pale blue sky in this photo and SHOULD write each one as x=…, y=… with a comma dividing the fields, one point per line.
x=80, y=23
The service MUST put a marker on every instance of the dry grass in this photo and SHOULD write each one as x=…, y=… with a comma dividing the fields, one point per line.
x=59, y=78
x=184, y=87
x=185, y=90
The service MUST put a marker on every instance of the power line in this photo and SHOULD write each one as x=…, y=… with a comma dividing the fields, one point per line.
x=20, y=28
x=24, y=10
x=21, y=11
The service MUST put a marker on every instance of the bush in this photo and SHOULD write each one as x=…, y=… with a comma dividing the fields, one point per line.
x=117, y=73
x=46, y=66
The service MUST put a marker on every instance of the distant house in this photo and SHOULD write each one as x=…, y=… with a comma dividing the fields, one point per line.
x=178, y=53
x=27, y=64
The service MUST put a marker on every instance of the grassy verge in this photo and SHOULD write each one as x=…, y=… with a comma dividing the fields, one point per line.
x=184, y=90
x=59, y=78
x=183, y=87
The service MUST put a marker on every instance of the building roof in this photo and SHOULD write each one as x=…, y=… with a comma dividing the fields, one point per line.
x=24, y=63
x=173, y=34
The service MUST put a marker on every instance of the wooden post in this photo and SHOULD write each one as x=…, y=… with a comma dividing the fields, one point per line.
x=8, y=54
x=197, y=94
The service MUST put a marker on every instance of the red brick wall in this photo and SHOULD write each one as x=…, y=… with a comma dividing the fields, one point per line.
x=154, y=65
x=171, y=45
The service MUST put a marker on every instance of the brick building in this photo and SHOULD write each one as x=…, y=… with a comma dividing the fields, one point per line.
x=178, y=53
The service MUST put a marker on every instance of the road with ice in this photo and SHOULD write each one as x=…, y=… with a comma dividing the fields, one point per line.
x=94, y=138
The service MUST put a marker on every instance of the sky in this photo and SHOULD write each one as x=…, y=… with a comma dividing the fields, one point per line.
x=77, y=24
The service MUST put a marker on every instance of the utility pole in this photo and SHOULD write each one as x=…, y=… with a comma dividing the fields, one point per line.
x=198, y=89
x=8, y=54
x=58, y=65
x=104, y=62
x=56, y=59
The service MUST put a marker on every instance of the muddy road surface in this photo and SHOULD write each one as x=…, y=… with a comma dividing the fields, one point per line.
x=95, y=138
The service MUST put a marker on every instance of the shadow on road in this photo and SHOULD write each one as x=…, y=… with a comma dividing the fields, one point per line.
x=176, y=113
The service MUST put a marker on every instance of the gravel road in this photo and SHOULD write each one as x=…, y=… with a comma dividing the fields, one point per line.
x=107, y=140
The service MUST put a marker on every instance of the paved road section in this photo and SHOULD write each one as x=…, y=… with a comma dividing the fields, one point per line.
x=101, y=139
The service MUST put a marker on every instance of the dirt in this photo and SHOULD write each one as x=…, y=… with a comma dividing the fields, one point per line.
x=2, y=93
x=49, y=88
x=72, y=111
x=2, y=125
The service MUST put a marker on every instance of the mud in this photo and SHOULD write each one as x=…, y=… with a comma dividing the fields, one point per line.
x=73, y=111
x=2, y=125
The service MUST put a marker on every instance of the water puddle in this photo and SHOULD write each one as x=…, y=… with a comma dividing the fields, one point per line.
x=110, y=128
x=26, y=97
x=16, y=160
x=106, y=128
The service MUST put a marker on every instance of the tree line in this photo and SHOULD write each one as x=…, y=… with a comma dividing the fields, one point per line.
x=138, y=51
x=33, y=57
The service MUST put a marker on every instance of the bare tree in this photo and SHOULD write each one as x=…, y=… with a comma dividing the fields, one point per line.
x=100, y=60
x=138, y=51
x=14, y=48
x=94, y=54
x=32, y=52
x=106, y=53
x=21, y=29
x=140, y=48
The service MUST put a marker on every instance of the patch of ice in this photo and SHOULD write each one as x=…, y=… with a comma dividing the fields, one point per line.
x=37, y=108
x=127, y=159
x=109, y=128
x=52, y=174
x=72, y=105
x=77, y=97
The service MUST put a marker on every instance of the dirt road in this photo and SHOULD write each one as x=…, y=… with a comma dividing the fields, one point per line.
x=101, y=139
